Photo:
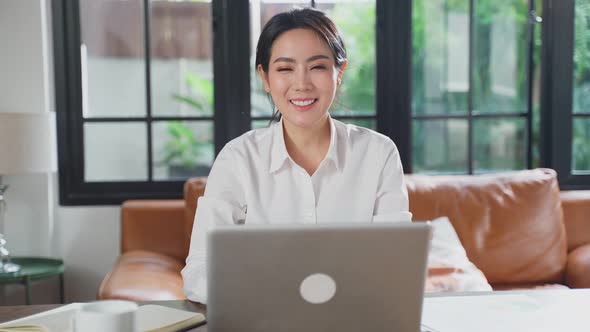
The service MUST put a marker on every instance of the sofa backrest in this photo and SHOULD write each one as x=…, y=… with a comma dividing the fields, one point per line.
x=511, y=224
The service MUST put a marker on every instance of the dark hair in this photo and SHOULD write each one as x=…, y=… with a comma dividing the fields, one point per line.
x=305, y=18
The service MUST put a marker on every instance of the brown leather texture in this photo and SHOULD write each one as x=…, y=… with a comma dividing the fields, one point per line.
x=578, y=267
x=154, y=225
x=193, y=189
x=511, y=224
x=576, y=213
x=143, y=276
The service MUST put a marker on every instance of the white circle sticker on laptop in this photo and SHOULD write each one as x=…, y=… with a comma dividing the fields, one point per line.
x=318, y=288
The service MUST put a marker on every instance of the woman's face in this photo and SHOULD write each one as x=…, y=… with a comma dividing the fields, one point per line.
x=302, y=77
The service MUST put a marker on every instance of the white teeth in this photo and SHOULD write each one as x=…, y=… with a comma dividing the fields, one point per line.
x=303, y=103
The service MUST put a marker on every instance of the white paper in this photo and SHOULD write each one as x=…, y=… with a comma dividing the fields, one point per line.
x=55, y=320
x=540, y=312
x=61, y=319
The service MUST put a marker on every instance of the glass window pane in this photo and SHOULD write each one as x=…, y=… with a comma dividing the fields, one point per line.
x=500, y=56
x=112, y=58
x=581, y=84
x=181, y=58
x=115, y=152
x=581, y=145
x=499, y=144
x=440, y=57
x=356, y=21
x=439, y=146
x=581, y=89
x=182, y=149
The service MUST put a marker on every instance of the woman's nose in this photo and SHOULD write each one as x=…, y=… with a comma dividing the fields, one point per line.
x=302, y=81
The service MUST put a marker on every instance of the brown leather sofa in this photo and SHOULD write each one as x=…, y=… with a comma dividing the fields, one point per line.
x=517, y=227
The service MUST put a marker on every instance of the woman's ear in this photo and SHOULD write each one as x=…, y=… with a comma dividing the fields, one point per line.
x=264, y=77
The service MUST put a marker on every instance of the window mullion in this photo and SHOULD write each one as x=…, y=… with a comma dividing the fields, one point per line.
x=556, y=108
x=394, y=75
x=530, y=69
x=231, y=69
x=148, y=84
x=470, y=89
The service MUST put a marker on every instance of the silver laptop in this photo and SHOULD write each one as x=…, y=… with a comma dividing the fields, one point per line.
x=335, y=277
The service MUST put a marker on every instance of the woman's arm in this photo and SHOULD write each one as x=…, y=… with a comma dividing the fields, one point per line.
x=222, y=204
x=391, y=201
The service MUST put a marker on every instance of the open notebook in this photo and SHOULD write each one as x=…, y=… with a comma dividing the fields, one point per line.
x=150, y=318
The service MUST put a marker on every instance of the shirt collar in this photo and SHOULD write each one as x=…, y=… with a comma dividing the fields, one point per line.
x=279, y=154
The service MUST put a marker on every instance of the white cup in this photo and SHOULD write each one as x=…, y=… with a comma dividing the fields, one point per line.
x=110, y=315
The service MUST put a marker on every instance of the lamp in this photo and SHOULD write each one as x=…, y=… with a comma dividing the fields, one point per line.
x=26, y=146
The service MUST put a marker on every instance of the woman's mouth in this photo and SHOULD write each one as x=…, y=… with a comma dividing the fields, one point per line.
x=303, y=104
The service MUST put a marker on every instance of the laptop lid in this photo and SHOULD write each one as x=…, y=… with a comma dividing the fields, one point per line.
x=335, y=277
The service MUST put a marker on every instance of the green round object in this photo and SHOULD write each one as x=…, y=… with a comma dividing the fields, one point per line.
x=33, y=268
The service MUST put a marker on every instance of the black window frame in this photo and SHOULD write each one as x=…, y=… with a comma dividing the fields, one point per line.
x=231, y=76
x=557, y=87
x=471, y=116
x=231, y=68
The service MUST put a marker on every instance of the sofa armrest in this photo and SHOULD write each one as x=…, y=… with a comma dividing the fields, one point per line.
x=143, y=276
x=576, y=209
x=154, y=225
x=578, y=267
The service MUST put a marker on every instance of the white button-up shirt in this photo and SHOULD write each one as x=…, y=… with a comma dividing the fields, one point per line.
x=255, y=181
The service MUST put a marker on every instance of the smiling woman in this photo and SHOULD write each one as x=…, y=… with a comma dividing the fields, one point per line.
x=305, y=168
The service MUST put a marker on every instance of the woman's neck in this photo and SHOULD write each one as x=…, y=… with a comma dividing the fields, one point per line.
x=307, y=146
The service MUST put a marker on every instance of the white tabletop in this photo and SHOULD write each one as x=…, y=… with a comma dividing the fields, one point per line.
x=506, y=311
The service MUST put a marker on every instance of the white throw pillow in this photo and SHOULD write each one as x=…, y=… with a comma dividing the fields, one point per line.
x=449, y=269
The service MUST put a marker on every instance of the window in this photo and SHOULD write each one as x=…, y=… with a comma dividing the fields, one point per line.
x=473, y=72
x=138, y=94
x=566, y=91
x=149, y=91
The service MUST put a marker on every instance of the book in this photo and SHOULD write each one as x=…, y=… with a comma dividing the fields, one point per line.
x=149, y=318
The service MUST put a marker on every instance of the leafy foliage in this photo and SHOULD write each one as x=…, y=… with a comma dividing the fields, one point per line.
x=357, y=92
x=581, y=84
x=182, y=147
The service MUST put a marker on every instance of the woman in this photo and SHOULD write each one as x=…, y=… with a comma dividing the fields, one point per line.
x=305, y=168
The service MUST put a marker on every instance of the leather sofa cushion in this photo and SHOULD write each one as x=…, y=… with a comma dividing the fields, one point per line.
x=576, y=214
x=143, y=276
x=154, y=225
x=510, y=224
x=578, y=268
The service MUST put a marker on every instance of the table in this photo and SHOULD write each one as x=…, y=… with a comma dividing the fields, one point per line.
x=547, y=296
x=33, y=269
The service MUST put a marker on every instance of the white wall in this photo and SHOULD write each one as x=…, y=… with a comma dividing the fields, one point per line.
x=87, y=238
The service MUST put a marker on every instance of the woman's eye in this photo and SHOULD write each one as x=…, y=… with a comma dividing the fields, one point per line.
x=321, y=67
x=284, y=69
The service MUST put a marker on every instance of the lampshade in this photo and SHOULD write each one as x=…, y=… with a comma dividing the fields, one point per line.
x=27, y=143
